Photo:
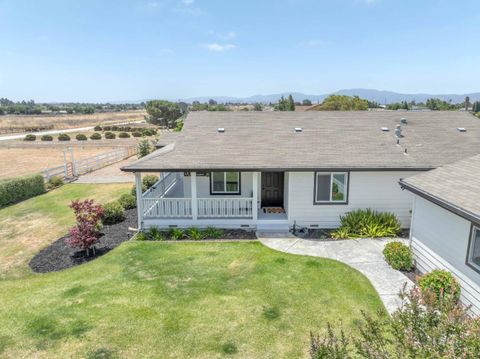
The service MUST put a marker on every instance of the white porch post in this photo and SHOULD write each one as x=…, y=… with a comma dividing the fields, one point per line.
x=138, y=189
x=255, y=196
x=193, y=182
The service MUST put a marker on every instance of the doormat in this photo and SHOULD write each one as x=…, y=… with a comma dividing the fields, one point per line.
x=273, y=210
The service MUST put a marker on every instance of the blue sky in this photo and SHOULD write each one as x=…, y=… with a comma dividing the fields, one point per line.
x=129, y=50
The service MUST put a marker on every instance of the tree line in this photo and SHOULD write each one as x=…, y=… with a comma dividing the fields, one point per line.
x=8, y=107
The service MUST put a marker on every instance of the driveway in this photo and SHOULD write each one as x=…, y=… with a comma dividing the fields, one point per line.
x=365, y=255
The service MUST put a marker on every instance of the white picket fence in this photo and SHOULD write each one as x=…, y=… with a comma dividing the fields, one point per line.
x=72, y=169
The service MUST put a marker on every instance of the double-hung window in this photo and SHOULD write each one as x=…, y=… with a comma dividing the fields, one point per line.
x=473, y=258
x=331, y=187
x=225, y=183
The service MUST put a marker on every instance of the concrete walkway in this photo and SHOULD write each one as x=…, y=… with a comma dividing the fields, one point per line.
x=365, y=255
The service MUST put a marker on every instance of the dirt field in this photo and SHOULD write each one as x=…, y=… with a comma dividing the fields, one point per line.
x=62, y=121
x=22, y=161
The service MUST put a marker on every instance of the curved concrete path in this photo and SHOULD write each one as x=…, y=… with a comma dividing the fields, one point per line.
x=365, y=255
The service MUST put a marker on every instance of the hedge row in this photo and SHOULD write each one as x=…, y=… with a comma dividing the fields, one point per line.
x=20, y=188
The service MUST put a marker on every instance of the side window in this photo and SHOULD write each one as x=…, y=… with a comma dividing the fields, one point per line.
x=331, y=187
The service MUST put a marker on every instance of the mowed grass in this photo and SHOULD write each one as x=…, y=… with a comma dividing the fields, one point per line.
x=181, y=300
x=28, y=226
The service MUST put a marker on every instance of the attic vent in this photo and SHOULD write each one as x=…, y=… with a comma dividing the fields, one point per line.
x=462, y=129
x=220, y=130
x=385, y=129
x=403, y=120
x=298, y=129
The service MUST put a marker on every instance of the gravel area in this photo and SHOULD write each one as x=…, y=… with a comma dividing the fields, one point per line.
x=59, y=255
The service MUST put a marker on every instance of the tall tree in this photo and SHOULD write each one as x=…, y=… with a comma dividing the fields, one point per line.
x=467, y=103
x=163, y=113
x=291, y=103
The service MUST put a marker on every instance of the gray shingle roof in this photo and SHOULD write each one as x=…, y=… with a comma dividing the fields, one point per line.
x=343, y=140
x=166, y=138
x=456, y=185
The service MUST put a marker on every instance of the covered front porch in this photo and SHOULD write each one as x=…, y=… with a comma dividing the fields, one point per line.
x=219, y=199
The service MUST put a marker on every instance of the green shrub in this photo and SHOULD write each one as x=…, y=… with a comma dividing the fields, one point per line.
x=55, y=182
x=63, y=137
x=149, y=131
x=136, y=134
x=110, y=135
x=176, y=234
x=81, y=137
x=46, y=138
x=97, y=128
x=155, y=234
x=441, y=283
x=123, y=135
x=149, y=180
x=114, y=128
x=141, y=237
x=144, y=148
x=30, y=137
x=399, y=256
x=213, y=233
x=134, y=192
x=96, y=136
x=194, y=234
x=113, y=213
x=20, y=188
x=364, y=223
x=107, y=128
x=127, y=201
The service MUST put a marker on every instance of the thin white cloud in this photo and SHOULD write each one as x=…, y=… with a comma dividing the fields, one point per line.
x=188, y=2
x=224, y=36
x=153, y=4
x=311, y=43
x=218, y=47
x=368, y=2
x=166, y=51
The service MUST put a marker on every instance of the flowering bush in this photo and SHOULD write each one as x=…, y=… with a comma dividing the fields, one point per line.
x=399, y=256
x=441, y=283
x=423, y=327
x=86, y=233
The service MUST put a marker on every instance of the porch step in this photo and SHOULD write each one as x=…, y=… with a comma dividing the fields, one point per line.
x=272, y=227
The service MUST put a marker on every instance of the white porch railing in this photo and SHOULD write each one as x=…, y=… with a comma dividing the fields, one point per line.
x=166, y=182
x=224, y=207
x=207, y=207
x=167, y=207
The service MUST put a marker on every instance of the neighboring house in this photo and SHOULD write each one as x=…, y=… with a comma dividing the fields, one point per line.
x=271, y=170
x=445, y=232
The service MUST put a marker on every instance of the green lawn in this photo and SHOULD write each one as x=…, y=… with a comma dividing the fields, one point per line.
x=28, y=226
x=181, y=300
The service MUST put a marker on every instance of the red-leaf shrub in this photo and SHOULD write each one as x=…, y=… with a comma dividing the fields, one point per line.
x=87, y=214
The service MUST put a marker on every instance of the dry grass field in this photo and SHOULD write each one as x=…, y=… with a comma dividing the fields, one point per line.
x=27, y=160
x=62, y=121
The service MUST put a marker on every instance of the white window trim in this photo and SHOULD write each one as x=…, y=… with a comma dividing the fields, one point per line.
x=225, y=183
x=473, y=234
x=343, y=201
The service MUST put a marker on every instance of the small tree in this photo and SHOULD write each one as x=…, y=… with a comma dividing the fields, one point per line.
x=86, y=233
x=258, y=107
x=163, y=113
x=144, y=148
x=307, y=102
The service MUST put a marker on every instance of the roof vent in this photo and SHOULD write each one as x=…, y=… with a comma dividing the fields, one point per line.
x=398, y=131
x=462, y=129
x=385, y=129
x=298, y=129
x=220, y=130
x=403, y=120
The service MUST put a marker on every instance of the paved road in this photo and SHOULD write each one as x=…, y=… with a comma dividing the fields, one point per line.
x=365, y=255
x=55, y=132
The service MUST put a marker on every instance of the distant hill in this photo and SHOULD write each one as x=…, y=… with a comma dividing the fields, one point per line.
x=382, y=97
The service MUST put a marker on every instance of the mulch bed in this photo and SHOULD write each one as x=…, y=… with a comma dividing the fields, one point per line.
x=59, y=255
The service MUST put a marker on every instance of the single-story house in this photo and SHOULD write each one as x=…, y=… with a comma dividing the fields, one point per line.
x=273, y=170
x=445, y=231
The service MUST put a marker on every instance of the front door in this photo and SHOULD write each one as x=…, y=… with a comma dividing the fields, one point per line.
x=272, y=189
